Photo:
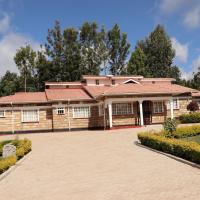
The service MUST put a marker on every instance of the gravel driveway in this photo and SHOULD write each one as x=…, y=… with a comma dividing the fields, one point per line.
x=98, y=165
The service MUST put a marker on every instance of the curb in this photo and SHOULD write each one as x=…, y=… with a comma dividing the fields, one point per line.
x=12, y=168
x=192, y=164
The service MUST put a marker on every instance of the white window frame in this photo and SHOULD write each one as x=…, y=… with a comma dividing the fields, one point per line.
x=116, y=112
x=60, y=110
x=174, y=108
x=22, y=115
x=4, y=114
x=83, y=116
x=158, y=110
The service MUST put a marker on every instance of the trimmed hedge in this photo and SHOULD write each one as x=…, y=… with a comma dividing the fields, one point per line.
x=187, y=131
x=22, y=148
x=187, y=150
x=190, y=118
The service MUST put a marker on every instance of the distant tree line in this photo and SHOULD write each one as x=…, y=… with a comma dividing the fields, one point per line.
x=69, y=53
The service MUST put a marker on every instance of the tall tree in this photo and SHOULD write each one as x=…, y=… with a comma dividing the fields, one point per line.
x=90, y=40
x=137, y=63
x=25, y=61
x=159, y=53
x=118, y=49
x=9, y=84
x=55, y=50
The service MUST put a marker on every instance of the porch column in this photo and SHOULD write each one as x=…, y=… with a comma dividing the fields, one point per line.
x=141, y=113
x=110, y=113
x=172, y=108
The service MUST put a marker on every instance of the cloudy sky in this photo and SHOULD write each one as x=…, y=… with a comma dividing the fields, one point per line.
x=26, y=22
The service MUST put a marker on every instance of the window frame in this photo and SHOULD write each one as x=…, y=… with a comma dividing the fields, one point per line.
x=101, y=110
x=116, y=112
x=97, y=82
x=4, y=114
x=82, y=117
x=155, y=103
x=60, y=109
x=29, y=121
x=174, y=108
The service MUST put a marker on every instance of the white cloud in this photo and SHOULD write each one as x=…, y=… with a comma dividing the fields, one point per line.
x=10, y=41
x=169, y=6
x=181, y=50
x=192, y=18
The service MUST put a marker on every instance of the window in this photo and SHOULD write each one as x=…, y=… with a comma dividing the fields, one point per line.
x=30, y=116
x=2, y=113
x=113, y=82
x=81, y=112
x=97, y=82
x=101, y=110
x=122, y=108
x=175, y=104
x=60, y=111
x=158, y=107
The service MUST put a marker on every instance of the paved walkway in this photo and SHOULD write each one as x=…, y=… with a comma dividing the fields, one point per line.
x=98, y=165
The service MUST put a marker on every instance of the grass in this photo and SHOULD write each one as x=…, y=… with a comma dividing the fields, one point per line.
x=193, y=139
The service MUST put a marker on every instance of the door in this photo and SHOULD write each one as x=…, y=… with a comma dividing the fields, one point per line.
x=147, y=112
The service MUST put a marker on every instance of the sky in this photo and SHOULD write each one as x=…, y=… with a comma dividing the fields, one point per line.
x=27, y=21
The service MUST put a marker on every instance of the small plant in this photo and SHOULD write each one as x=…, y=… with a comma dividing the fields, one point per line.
x=170, y=125
x=193, y=106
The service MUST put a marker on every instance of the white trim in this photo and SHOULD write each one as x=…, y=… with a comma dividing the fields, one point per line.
x=4, y=114
x=101, y=109
x=141, y=113
x=131, y=103
x=162, y=107
x=60, y=109
x=38, y=118
x=131, y=80
x=81, y=117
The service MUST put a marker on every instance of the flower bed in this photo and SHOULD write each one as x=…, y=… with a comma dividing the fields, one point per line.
x=22, y=148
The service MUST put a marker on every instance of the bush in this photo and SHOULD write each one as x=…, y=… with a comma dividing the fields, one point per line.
x=190, y=118
x=187, y=131
x=6, y=163
x=183, y=149
x=193, y=106
x=170, y=125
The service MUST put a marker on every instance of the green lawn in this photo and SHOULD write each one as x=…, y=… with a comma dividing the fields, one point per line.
x=193, y=138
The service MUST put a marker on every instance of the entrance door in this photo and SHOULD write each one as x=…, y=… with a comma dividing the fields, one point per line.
x=147, y=112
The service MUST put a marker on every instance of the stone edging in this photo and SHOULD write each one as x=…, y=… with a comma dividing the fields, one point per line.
x=12, y=168
x=169, y=155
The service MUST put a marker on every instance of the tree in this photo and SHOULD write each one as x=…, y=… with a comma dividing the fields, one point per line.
x=118, y=50
x=159, y=54
x=25, y=61
x=137, y=63
x=90, y=41
x=9, y=84
x=55, y=50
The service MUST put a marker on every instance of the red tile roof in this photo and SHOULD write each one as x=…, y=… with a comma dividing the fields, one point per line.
x=24, y=97
x=197, y=94
x=95, y=91
x=147, y=89
x=66, y=94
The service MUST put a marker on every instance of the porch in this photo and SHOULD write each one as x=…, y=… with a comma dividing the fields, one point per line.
x=138, y=112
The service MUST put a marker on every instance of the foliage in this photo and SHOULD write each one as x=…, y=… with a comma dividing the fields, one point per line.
x=190, y=118
x=118, y=50
x=183, y=149
x=7, y=163
x=193, y=106
x=186, y=131
x=170, y=125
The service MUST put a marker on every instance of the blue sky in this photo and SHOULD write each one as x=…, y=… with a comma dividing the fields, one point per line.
x=27, y=21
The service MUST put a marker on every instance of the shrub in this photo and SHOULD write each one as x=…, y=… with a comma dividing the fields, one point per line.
x=170, y=125
x=190, y=118
x=6, y=163
x=193, y=106
x=183, y=149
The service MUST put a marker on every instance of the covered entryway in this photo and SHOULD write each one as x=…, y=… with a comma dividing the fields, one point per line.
x=147, y=112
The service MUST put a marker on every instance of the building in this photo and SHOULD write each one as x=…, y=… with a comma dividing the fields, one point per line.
x=95, y=102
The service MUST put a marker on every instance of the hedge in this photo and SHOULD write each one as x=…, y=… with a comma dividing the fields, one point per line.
x=22, y=148
x=190, y=118
x=187, y=131
x=187, y=150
